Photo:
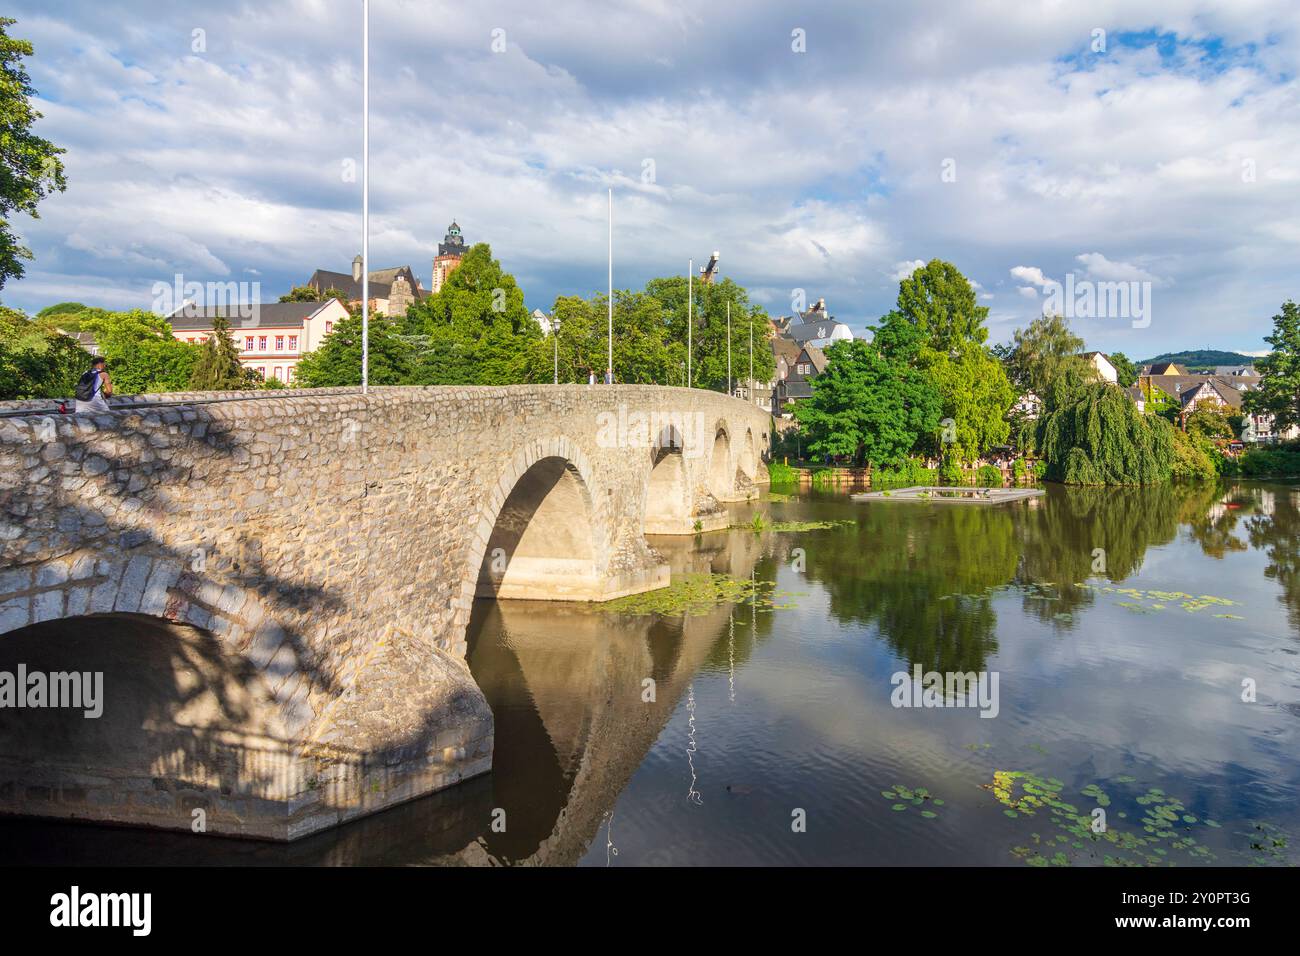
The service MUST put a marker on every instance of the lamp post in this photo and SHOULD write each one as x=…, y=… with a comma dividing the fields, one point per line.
x=690, y=320
x=728, y=348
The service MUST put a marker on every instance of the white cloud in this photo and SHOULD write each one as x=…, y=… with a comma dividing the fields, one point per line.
x=1102, y=269
x=1031, y=274
x=903, y=270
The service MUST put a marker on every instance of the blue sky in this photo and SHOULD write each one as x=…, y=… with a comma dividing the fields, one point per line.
x=211, y=140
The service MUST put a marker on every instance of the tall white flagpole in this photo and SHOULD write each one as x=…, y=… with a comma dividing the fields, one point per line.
x=690, y=319
x=365, y=196
x=728, y=347
x=610, y=361
x=752, y=397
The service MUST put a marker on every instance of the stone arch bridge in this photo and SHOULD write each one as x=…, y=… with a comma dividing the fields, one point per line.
x=275, y=588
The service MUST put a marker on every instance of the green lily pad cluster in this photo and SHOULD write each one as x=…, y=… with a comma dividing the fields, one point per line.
x=911, y=798
x=1166, y=824
x=1147, y=602
x=697, y=594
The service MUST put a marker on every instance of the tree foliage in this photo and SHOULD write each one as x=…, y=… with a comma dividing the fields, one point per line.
x=708, y=337
x=217, y=367
x=941, y=303
x=337, y=361
x=870, y=403
x=37, y=361
x=1279, y=388
x=30, y=168
x=142, y=353
x=475, y=330
x=1126, y=371
x=1041, y=352
x=1100, y=438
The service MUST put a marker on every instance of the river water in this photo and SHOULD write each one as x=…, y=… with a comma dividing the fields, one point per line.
x=1147, y=710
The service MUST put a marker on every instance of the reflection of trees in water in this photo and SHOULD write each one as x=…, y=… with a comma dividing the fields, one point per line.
x=922, y=577
x=1059, y=538
x=1276, y=531
x=1212, y=517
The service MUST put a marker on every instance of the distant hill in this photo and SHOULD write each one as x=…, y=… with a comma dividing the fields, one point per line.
x=1202, y=359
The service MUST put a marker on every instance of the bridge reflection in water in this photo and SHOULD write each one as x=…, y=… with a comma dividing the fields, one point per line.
x=565, y=683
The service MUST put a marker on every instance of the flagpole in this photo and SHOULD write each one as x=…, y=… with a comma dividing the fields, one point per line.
x=609, y=366
x=365, y=196
x=728, y=347
x=690, y=321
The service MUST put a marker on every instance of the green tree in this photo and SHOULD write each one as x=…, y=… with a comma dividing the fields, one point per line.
x=1207, y=421
x=475, y=330
x=1100, y=438
x=37, y=361
x=941, y=303
x=708, y=335
x=1126, y=371
x=30, y=168
x=337, y=361
x=1040, y=352
x=305, y=293
x=217, y=368
x=142, y=353
x=643, y=351
x=870, y=402
x=1279, y=388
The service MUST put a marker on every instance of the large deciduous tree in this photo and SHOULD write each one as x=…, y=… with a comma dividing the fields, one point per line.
x=475, y=330
x=30, y=168
x=1098, y=437
x=1279, y=388
x=870, y=402
x=939, y=303
x=337, y=361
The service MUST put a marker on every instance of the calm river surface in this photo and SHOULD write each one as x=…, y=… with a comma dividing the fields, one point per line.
x=771, y=737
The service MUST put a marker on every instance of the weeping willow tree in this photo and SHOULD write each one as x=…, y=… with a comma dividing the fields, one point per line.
x=1098, y=437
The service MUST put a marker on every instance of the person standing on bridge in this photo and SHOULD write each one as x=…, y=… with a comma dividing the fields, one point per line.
x=609, y=376
x=94, y=387
x=591, y=377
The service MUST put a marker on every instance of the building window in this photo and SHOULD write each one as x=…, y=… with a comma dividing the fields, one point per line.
x=261, y=370
x=248, y=343
x=279, y=374
x=329, y=327
x=292, y=369
x=293, y=343
x=279, y=343
x=261, y=343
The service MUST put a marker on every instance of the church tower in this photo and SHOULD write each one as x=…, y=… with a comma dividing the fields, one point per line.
x=450, y=251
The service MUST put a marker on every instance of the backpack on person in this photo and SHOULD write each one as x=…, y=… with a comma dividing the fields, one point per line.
x=85, y=391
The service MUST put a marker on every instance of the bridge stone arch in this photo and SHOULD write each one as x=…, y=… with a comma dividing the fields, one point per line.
x=544, y=529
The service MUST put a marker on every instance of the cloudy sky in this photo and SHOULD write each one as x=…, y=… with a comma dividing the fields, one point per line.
x=1155, y=142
